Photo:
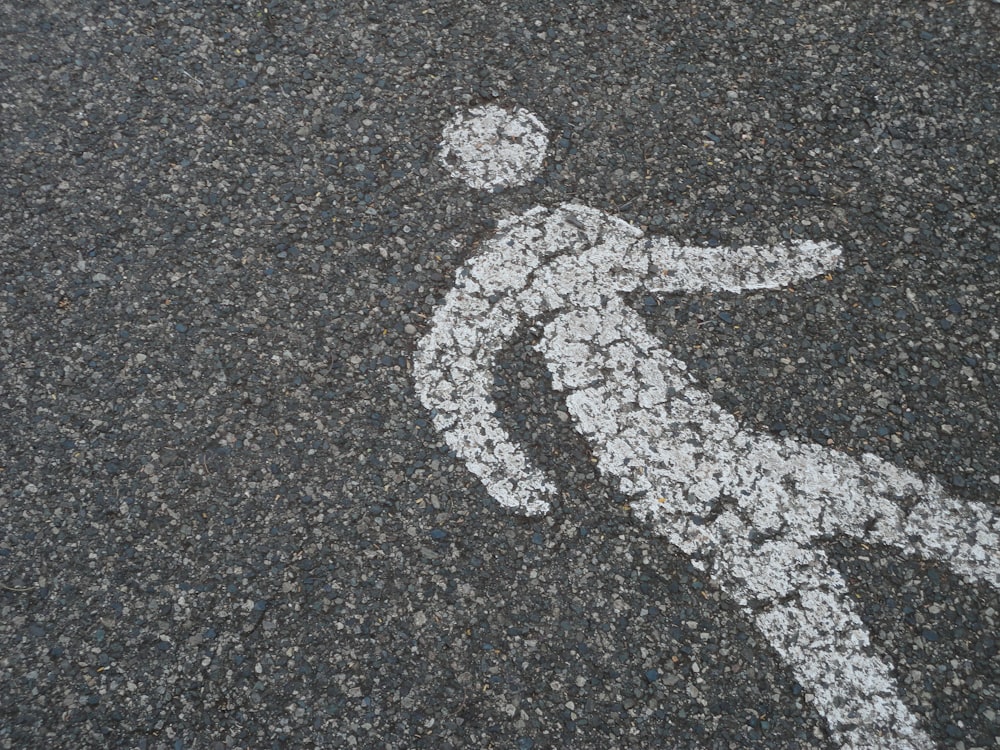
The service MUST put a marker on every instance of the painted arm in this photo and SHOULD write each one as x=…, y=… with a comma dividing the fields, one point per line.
x=454, y=363
x=687, y=269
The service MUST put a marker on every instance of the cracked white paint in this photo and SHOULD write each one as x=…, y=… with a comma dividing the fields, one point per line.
x=745, y=506
x=491, y=147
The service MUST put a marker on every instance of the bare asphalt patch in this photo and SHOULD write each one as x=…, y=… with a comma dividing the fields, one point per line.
x=226, y=520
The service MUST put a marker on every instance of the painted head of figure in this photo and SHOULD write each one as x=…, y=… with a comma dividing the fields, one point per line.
x=491, y=148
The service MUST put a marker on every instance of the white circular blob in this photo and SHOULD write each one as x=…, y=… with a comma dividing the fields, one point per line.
x=490, y=147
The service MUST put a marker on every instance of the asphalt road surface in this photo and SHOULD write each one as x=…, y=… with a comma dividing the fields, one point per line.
x=229, y=519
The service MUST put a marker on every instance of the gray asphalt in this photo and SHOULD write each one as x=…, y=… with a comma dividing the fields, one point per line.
x=227, y=521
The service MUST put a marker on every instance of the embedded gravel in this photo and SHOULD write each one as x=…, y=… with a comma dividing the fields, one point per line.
x=226, y=520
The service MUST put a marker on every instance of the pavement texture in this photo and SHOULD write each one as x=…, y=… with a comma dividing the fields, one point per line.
x=227, y=521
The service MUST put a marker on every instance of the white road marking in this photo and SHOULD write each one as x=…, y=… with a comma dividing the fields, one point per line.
x=746, y=507
x=492, y=148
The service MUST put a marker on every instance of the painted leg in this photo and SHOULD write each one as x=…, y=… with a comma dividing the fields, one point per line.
x=964, y=535
x=822, y=493
x=802, y=606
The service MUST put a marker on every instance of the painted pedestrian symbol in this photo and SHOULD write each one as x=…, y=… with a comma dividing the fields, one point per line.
x=748, y=508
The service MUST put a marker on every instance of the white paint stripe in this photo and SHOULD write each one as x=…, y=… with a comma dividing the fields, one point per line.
x=746, y=507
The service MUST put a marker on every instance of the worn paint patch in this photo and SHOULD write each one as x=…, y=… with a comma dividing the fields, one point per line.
x=491, y=148
x=747, y=507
